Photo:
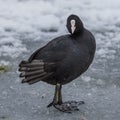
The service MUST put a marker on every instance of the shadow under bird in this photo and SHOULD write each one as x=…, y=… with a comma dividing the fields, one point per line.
x=60, y=61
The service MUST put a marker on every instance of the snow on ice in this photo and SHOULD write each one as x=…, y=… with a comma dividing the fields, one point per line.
x=34, y=16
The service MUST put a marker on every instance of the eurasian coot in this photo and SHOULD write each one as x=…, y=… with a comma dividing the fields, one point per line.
x=60, y=61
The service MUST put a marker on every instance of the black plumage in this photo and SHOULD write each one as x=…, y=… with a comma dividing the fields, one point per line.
x=63, y=59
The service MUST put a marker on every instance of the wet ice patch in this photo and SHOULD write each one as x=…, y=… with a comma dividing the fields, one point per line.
x=86, y=78
x=96, y=82
x=107, y=44
x=29, y=16
x=100, y=82
x=48, y=23
x=2, y=62
x=11, y=47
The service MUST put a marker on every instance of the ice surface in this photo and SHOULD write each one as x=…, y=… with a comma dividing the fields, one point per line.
x=26, y=25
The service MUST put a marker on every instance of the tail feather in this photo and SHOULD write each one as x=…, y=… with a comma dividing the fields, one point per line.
x=38, y=79
x=30, y=68
x=30, y=78
x=31, y=65
x=33, y=71
x=30, y=73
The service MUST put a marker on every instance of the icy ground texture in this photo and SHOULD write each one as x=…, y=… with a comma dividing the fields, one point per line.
x=26, y=25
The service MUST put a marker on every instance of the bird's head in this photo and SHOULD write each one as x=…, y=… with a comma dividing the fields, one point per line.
x=74, y=24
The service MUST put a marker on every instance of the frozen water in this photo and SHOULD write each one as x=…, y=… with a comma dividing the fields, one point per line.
x=26, y=25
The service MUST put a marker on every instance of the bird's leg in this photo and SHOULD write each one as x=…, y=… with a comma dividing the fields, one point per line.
x=57, y=96
x=68, y=106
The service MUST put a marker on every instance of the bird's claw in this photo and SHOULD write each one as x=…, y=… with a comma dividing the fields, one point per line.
x=68, y=106
x=49, y=105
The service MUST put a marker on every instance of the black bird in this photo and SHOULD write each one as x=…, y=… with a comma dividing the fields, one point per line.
x=60, y=61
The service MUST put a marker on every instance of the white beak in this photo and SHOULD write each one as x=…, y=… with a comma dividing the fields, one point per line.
x=72, y=26
x=73, y=29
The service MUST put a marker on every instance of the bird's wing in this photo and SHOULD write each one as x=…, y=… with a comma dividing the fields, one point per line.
x=54, y=51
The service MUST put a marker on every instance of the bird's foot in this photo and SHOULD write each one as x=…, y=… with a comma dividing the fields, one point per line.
x=68, y=106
